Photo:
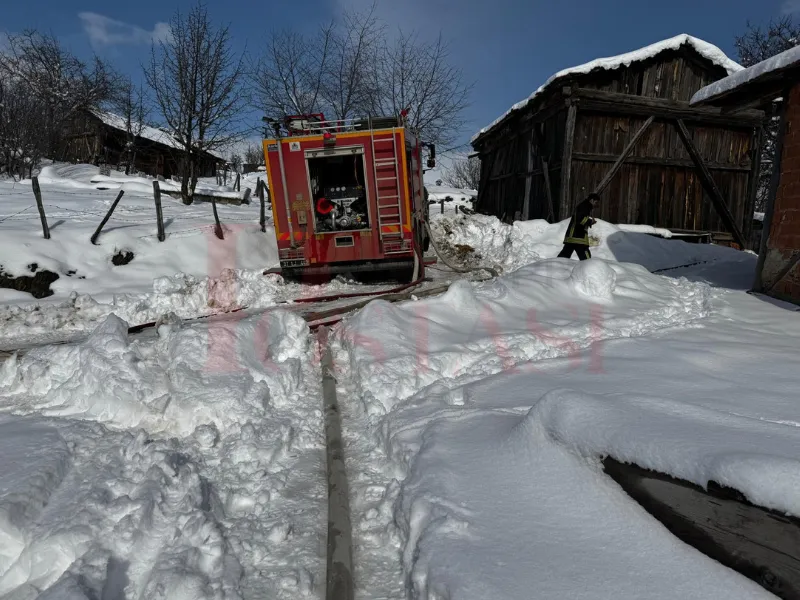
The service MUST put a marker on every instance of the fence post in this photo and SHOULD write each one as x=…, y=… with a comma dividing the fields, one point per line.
x=38, y=193
x=442, y=205
x=238, y=185
x=107, y=217
x=218, y=226
x=260, y=192
x=159, y=214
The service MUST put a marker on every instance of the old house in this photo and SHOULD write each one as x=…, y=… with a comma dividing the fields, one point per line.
x=778, y=273
x=101, y=138
x=623, y=126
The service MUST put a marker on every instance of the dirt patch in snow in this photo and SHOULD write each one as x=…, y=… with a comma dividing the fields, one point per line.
x=37, y=285
x=122, y=257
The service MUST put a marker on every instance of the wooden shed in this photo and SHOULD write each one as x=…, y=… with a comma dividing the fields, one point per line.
x=624, y=126
x=100, y=137
x=778, y=273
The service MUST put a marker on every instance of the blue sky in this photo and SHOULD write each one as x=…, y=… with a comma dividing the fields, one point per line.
x=507, y=47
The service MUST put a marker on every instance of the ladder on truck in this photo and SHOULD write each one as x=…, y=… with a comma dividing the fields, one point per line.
x=388, y=190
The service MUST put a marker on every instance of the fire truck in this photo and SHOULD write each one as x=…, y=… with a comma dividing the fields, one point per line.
x=347, y=196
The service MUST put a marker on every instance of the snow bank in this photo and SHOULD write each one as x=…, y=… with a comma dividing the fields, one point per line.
x=689, y=442
x=480, y=240
x=161, y=388
x=740, y=78
x=705, y=49
x=494, y=508
x=547, y=309
x=181, y=466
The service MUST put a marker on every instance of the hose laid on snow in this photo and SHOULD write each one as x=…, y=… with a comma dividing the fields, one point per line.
x=490, y=270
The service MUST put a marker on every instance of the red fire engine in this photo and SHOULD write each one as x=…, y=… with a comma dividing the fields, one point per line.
x=347, y=196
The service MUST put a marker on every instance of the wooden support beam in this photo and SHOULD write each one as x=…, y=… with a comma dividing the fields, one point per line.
x=566, y=160
x=106, y=218
x=37, y=193
x=658, y=161
x=708, y=183
x=774, y=182
x=159, y=213
x=752, y=189
x=218, y=227
x=627, y=104
x=551, y=214
x=625, y=152
x=757, y=542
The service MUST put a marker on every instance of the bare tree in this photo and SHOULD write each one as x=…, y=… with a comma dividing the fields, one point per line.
x=288, y=77
x=61, y=83
x=235, y=161
x=417, y=76
x=22, y=139
x=464, y=173
x=195, y=78
x=254, y=155
x=131, y=103
x=351, y=68
x=755, y=45
x=354, y=44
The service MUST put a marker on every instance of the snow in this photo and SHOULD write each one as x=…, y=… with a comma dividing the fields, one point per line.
x=166, y=467
x=741, y=78
x=481, y=240
x=191, y=273
x=705, y=49
x=188, y=461
x=476, y=421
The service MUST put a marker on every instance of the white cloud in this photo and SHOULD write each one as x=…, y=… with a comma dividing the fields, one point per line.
x=790, y=7
x=105, y=31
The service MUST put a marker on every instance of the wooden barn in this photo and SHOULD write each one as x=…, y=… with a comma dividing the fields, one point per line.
x=778, y=273
x=623, y=126
x=100, y=138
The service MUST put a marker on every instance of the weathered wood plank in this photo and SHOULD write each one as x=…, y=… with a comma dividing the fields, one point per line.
x=752, y=190
x=625, y=152
x=761, y=544
x=625, y=104
x=566, y=161
x=708, y=182
x=657, y=161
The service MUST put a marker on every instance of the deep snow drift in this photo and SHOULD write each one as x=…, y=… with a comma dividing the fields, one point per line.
x=486, y=412
x=486, y=241
x=185, y=465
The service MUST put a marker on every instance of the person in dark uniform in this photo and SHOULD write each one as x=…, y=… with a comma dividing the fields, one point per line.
x=577, y=236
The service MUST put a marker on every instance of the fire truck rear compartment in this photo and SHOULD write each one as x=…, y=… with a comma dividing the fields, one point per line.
x=338, y=192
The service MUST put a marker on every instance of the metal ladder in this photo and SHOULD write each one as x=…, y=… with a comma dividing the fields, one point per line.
x=387, y=188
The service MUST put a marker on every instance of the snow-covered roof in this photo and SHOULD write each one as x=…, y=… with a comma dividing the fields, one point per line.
x=709, y=51
x=149, y=133
x=724, y=86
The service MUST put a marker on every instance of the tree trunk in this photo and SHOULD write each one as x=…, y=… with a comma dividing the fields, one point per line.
x=187, y=199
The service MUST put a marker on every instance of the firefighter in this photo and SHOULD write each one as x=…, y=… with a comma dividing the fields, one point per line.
x=577, y=236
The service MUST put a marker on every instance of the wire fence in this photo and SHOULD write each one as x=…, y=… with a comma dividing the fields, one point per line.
x=174, y=215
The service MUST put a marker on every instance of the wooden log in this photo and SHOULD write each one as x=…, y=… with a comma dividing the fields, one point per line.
x=218, y=227
x=566, y=161
x=625, y=152
x=761, y=544
x=159, y=214
x=708, y=183
x=658, y=161
x=626, y=104
x=107, y=217
x=263, y=217
x=37, y=193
